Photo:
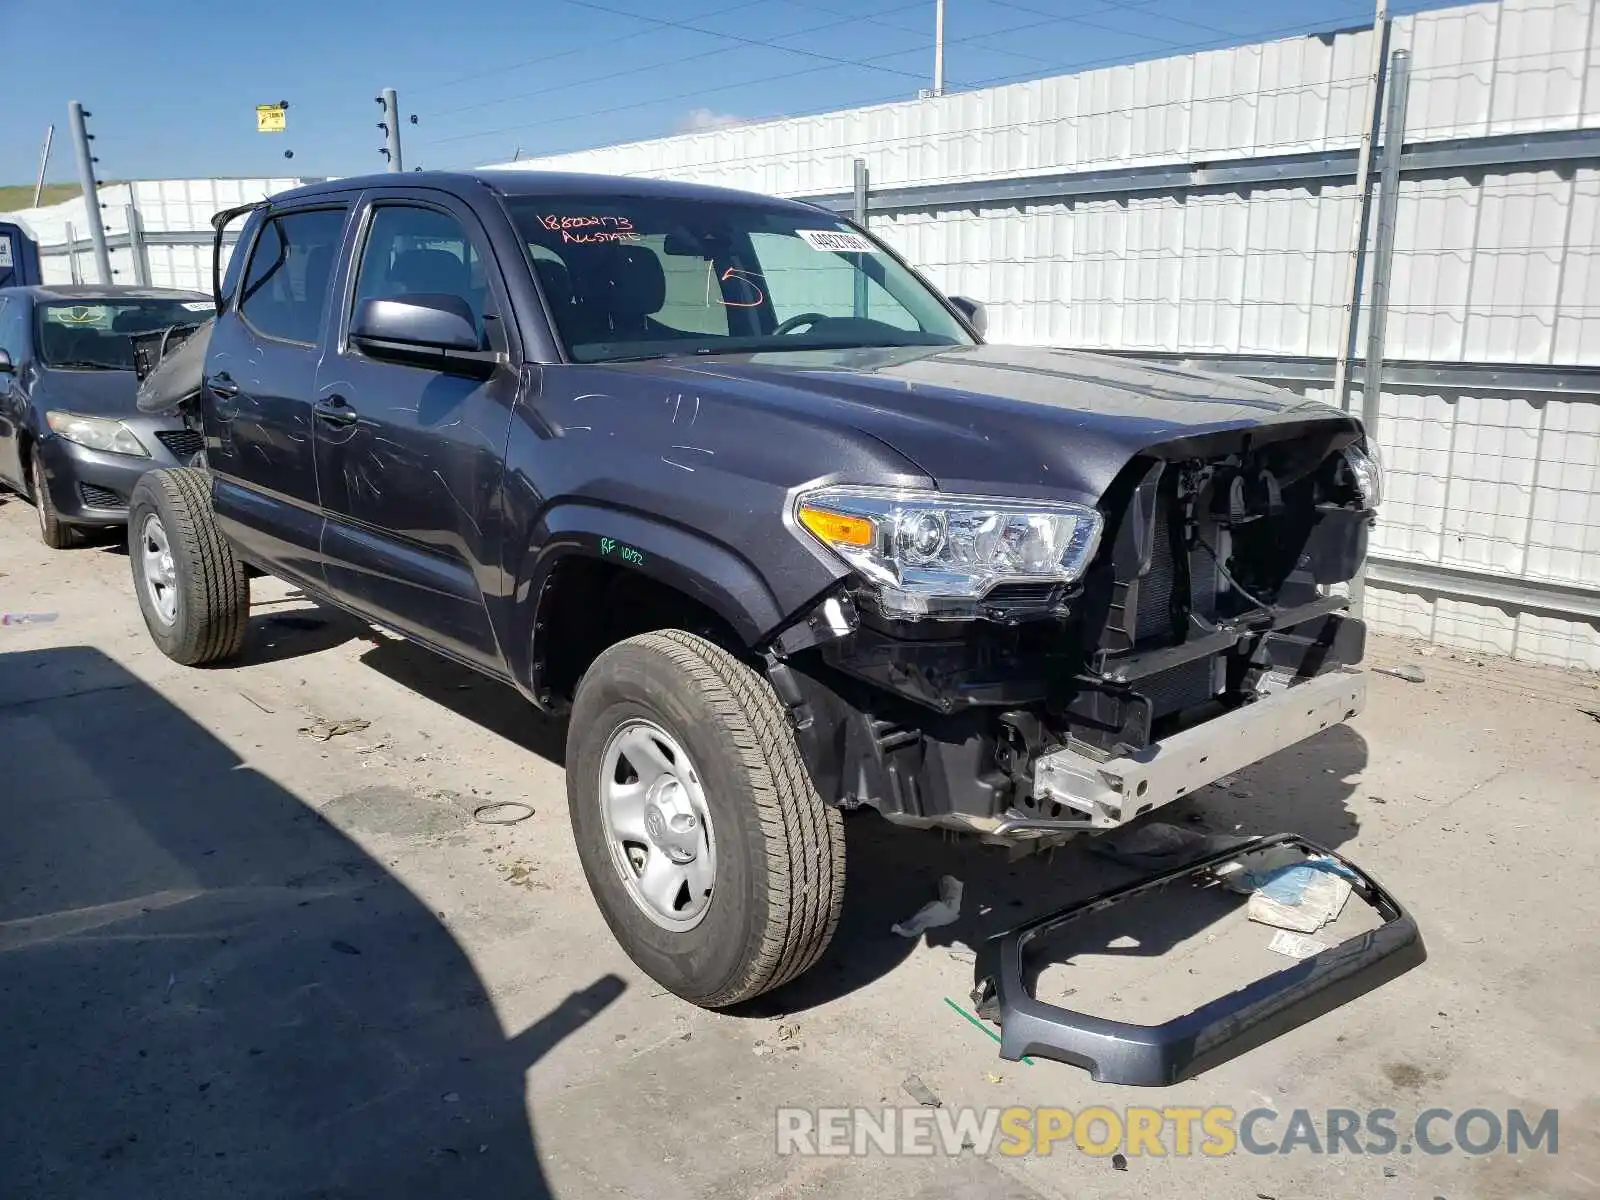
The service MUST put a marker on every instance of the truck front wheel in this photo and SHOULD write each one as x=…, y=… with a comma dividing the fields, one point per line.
x=714, y=861
x=192, y=590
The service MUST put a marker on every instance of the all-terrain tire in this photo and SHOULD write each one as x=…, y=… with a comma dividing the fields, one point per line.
x=53, y=531
x=779, y=850
x=209, y=585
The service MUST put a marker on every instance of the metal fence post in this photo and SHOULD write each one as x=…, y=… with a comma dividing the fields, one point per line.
x=136, y=245
x=44, y=164
x=1394, y=135
x=72, y=254
x=1345, y=349
x=860, y=213
x=391, y=119
x=91, y=193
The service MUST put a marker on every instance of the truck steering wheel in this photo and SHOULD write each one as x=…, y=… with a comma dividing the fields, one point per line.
x=794, y=322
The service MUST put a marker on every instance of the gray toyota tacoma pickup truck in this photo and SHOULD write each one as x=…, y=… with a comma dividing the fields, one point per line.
x=727, y=482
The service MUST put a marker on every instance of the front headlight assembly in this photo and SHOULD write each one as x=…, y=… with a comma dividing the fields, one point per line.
x=935, y=555
x=96, y=433
x=1366, y=472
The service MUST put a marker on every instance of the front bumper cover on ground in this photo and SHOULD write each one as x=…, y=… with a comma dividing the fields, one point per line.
x=1156, y=1055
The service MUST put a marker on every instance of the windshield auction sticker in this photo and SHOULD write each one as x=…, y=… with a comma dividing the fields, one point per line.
x=837, y=240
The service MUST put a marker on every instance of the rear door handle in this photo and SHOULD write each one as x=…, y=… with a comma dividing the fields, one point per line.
x=335, y=411
x=222, y=384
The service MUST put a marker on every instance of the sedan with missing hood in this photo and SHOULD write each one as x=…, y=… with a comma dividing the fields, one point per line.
x=71, y=438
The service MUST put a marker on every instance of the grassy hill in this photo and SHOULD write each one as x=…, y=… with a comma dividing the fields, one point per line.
x=20, y=195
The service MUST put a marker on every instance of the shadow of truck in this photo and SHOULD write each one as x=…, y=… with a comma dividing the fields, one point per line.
x=208, y=990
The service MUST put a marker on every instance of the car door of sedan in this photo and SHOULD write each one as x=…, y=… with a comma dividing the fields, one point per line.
x=410, y=454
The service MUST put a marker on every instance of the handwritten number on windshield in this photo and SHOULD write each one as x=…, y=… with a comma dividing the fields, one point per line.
x=744, y=285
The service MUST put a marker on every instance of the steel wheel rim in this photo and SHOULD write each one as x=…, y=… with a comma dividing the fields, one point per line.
x=657, y=827
x=160, y=574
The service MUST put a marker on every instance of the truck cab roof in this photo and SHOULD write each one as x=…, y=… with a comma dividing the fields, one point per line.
x=511, y=183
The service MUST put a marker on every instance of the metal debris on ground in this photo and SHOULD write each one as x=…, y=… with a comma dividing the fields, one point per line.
x=946, y=910
x=921, y=1092
x=254, y=701
x=33, y=618
x=791, y=1034
x=323, y=729
x=1295, y=945
x=1404, y=671
x=1591, y=713
x=502, y=812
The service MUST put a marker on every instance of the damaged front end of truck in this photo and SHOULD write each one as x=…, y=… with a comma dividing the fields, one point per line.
x=1203, y=629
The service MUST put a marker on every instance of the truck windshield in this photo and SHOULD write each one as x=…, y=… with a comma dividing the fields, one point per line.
x=630, y=278
x=91, y=335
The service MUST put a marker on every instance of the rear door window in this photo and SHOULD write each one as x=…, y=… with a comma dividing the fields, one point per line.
x=285, y=292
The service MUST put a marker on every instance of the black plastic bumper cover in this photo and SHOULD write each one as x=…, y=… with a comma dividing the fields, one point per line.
x=1156, y=1055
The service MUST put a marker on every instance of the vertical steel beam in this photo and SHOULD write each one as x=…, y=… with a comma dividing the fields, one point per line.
x=1394, y=136
x=91, y=192
x=1358, y=230
x=391, y=118
x=136, y=246
x=72, y=254
x=44, y=164
x=860, y=213
x=1394, y=130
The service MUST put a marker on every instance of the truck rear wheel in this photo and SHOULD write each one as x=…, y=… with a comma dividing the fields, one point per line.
x=192, y=590
x=714, y=861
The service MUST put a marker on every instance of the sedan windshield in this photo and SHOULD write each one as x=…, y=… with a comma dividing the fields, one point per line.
x=649, y=277
x=95, y=334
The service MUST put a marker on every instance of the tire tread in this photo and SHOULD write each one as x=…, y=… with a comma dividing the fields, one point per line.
x=216, y=593
x=804, y=838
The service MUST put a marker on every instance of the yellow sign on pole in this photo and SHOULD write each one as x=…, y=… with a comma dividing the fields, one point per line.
x=271, y=118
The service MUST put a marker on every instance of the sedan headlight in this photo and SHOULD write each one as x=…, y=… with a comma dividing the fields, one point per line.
x=1366, y=472
x=937, y=555
x=96, y=433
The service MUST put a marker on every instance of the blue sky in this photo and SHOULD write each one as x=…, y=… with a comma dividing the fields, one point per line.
x=491, y=77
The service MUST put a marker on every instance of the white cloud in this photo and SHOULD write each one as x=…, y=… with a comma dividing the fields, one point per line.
x=697, y=120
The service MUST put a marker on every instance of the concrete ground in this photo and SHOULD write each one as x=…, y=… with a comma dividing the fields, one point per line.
x=237, y=960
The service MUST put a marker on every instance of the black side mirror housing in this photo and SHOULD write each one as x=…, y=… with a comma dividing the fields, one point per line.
x=420, y=321
x=7, y=367
x=976, y=314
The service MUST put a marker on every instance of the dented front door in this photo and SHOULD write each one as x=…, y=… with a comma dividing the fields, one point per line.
x=410, y=458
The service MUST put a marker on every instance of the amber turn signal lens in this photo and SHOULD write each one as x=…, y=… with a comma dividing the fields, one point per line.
x=837, y=529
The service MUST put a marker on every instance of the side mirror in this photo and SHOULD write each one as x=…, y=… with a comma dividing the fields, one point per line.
x=976, y=314
x=422, y=321
x=7, y=367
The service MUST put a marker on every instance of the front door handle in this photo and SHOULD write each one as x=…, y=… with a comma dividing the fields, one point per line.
x=335, y=411
x=222, y=384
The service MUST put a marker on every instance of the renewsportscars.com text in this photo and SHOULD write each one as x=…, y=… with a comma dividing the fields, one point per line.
x=1156, y=1132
